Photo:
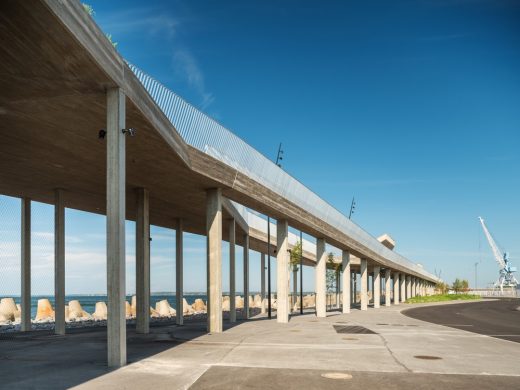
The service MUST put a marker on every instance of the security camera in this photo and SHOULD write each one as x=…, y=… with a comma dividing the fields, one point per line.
x=130, y=131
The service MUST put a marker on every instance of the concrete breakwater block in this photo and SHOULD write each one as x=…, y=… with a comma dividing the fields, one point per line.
x=76, y=311
x=101, y=311
x=164, y=309
x=8, y=310
x=199, y=306
x=45, y=312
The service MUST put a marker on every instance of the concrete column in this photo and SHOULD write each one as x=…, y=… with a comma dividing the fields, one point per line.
x=282, y=271
x=59, y=262
x=179, y=273
x=262, y=281
x=388, y=287
x=232, y=278
x=377, y=287
x=321, y=278
x=295, y=286
x=402, y=281
x=214, y=260
x=246, y=277
x=364, y=284
x=142, y=261
x=354, y=287
x=345, y=267
x=414, y=287
x=26, y=265
x=396, y=288
x=116, y=207
x=338, y=283
x=408, y=286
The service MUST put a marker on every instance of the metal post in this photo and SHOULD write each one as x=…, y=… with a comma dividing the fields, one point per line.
x=269, y=267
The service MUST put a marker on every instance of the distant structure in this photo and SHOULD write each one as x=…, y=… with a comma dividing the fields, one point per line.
x=506, y=278
x=387, y=241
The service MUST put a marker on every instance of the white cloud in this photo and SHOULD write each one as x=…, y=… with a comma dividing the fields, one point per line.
x=186, y=66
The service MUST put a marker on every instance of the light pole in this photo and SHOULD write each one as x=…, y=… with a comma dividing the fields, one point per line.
x=476, y=265
x=352, y=208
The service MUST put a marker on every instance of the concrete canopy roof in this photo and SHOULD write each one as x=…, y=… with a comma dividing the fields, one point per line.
x=55, y=69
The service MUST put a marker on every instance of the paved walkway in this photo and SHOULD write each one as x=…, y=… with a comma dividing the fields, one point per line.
x=402, y=352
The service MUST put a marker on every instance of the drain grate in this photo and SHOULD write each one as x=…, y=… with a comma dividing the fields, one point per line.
x=352, y=329
x=427, y=357
x=350, y=338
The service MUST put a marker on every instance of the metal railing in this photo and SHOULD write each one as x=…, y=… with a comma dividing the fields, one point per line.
x=207, y=135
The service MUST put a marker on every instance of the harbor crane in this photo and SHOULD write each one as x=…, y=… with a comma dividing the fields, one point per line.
x=506, y=278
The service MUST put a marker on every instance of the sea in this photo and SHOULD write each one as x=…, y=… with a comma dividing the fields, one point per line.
x=88, y=301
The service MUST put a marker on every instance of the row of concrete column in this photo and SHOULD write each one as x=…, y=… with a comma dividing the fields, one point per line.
x=116, y=210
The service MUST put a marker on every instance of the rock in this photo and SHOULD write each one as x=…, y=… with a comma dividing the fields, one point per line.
x=239, y=302
x=199, y=305
x=128, y=310
x=154, y=313
x=134, y=305
x=186, y=307
x=4, y=319
x=257, y=301
x=45, y=310
x=309, y=301
x=225, y=305
x=101, y=311
x=163, y=308
x=8, y=308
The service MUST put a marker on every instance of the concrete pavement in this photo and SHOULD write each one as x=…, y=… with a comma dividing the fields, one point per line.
x=402, y=352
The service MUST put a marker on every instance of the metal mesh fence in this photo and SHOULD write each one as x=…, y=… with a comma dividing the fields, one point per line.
x=207, y=135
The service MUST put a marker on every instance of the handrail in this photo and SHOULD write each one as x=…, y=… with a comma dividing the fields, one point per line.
x=207, y=135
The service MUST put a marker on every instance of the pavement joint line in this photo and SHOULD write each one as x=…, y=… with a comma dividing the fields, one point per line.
x=411, y=372
x=283, y=345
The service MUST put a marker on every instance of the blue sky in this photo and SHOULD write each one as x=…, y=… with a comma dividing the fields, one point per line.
x=410, y=106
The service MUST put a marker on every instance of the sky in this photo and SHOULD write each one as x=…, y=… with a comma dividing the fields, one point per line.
x=411, y=107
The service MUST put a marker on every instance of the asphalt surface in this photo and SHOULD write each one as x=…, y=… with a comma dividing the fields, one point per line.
x=498, y=318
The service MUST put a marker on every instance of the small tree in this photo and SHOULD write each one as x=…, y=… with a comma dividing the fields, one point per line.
x=442, y=287
x=90, y=10
x=457, y=285
x=296, y=252
x=465, y=285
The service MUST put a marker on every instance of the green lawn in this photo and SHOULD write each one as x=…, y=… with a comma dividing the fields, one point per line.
x=442, y=297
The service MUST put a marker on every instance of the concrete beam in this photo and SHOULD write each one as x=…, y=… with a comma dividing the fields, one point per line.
x=142, y=261
x=214, y=261
x=179, y=272
x=388, y=287
x=396, y=288
x=59, y=262
x=232, y=278
x=282, y=271
x=377, y=287
x=345, y=268
x=26, y=265
x=321, y=278
x=246, y=277
x=364, y=284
